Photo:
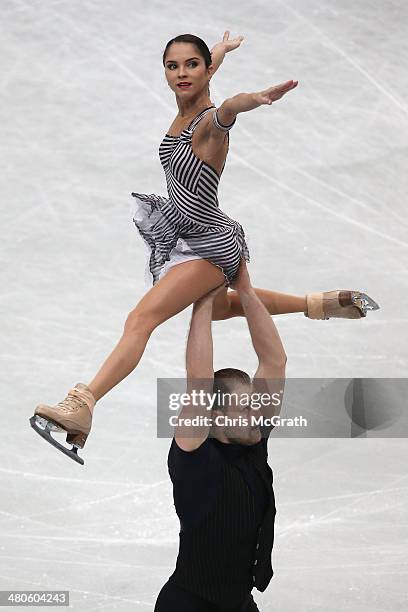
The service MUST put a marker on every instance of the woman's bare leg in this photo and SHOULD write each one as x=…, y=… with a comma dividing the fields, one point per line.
x=181, y=286
x=227, y=304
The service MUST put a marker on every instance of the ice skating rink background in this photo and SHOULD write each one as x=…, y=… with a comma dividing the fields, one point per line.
x=319, y=182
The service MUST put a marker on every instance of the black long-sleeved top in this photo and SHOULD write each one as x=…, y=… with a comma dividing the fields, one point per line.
x=223, y=495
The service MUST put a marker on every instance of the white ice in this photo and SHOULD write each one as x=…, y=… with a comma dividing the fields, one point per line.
x=318, y=181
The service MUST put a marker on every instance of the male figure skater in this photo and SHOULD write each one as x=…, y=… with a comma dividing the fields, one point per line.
x=222, y=483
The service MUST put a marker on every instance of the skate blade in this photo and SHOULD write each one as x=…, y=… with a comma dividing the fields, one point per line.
x=43, y=427
x=369, y=302
x=364, y=303
x=43, y=422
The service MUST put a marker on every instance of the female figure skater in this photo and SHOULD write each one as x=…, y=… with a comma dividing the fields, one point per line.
x=194, y=246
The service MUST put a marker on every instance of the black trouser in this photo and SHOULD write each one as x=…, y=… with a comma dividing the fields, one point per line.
x=173, y=598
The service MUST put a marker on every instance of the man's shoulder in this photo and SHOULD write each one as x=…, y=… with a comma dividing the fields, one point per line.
x=190, y=444
x=191, y=464
x=261, y=447
x=177, y=447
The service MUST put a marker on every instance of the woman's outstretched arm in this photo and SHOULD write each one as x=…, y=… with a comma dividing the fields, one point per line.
x=243, y=102
x=221, y=48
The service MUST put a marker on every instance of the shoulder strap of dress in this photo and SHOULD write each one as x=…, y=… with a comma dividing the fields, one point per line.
x=198, y=118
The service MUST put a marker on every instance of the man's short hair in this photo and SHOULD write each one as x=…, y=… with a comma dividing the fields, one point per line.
x=224, y=381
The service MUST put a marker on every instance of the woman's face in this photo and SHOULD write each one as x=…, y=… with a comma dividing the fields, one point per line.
x=184, y=63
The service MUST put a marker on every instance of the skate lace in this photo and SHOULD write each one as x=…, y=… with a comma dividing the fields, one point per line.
x=71, y=403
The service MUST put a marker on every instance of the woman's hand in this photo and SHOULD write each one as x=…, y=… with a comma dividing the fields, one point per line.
x=267, y=96
x=243, y=102
x=221, y=48
x=229, y=45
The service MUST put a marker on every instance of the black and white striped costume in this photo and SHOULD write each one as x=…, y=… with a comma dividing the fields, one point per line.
x=189, y=223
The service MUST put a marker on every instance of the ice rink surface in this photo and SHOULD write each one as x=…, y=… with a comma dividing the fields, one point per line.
x=318, y=181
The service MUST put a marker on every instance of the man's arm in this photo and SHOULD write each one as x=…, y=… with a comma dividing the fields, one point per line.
x=270, y=375
x=199, y=351
x=200, y=373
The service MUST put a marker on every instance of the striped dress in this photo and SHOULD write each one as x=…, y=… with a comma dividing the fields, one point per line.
x=189, y=223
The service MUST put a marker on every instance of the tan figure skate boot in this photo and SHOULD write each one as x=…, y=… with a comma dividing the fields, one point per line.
x=339, y=304
x=73, y=415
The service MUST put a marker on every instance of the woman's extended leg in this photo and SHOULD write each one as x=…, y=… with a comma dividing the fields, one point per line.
x=182, y=285
x=344, y=304
x=227, y=304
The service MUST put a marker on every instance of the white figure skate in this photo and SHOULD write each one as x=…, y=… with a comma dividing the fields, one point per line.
x=73, y=415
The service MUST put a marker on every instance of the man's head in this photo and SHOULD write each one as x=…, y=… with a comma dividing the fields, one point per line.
x=232, y=409
x=187, y=58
